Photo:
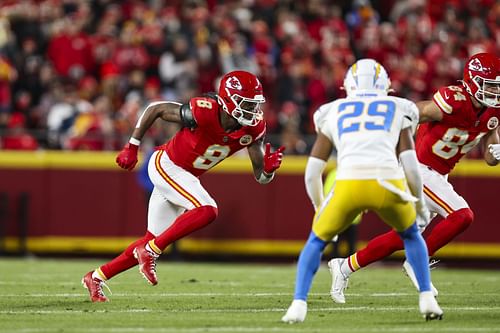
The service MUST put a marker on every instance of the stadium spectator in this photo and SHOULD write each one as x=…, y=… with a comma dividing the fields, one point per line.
x=300, y=50
x=214, y=127
x=17, y=137
x=457, y=119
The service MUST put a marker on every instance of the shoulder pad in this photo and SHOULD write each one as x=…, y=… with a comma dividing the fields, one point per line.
x=320, y=115
x=450, y=98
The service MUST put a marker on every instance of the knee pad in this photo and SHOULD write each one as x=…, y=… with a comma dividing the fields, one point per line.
x=210, y=212
x=463, y=217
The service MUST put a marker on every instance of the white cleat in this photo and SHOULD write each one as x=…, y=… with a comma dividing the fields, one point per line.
x=408, y=270
x=429, y=307
x=296, y=313
x=339, y=280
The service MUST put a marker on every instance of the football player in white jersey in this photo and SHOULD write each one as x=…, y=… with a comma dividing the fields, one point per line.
x=370, y=131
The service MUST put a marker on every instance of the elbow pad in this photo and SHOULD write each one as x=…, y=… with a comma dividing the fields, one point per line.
x=314, y=183
x=187, y=118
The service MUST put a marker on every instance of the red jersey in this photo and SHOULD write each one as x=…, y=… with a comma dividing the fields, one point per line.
x=201, y=148
x=440, y=145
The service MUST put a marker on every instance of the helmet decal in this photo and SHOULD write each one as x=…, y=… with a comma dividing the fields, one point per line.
x=475, y=65
x=234, y=83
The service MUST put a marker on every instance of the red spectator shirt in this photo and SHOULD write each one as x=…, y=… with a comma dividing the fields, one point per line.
x=440, y=145
x=198, y=150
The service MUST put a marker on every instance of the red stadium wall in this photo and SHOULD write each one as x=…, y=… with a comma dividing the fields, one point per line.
x=82, y=203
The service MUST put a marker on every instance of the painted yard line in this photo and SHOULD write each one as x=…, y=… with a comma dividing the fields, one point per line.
x=282, y=328
x=232, y=310
x=24, y=295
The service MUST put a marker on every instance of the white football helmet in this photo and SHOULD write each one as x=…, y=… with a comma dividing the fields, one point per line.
x=366, y=77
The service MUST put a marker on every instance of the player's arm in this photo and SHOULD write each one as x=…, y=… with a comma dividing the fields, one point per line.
x=316, y=164
x=409, y=162
x=492, y=144
x=264, y=162
x=167, y=111
x=429, y=111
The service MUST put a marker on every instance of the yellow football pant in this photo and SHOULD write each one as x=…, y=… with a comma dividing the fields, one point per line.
x=350, y=197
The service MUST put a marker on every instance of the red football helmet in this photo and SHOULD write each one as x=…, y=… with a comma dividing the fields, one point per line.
x=482, y=78
x=240, y=94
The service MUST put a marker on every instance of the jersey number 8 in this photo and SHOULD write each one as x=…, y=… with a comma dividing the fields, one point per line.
x=213, y=155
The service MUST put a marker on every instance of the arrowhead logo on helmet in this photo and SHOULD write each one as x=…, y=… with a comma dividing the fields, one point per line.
x=233, y=83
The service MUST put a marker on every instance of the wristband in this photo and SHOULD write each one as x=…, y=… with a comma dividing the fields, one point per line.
x=134, y=141
x=265, y=178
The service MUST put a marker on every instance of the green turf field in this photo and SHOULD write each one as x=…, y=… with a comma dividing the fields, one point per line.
x=46, y=296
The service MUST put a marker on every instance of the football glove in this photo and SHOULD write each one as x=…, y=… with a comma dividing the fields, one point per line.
x=272, y=161
x=494, y=150
x=127, y=158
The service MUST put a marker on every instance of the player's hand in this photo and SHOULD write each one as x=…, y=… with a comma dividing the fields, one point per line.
x=272, y=161
x=494, y=150
x=423, y=214
x=127, y=158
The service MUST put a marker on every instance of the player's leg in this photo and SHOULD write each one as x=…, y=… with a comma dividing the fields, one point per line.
x=378, y=248
x=401, y=216
x=329, y=221
x=180, y=189
x=442, y=199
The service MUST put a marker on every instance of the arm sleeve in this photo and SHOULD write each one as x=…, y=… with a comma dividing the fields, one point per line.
x=313, y=181
x=409, y=162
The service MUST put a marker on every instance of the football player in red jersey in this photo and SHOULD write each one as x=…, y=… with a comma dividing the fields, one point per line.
x=456, y=119
x=213, y=128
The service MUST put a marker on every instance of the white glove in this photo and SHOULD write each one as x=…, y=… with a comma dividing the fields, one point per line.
x=494, y=150
x=423, y=214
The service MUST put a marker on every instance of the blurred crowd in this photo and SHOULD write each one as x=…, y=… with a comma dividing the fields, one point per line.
x=75, y=74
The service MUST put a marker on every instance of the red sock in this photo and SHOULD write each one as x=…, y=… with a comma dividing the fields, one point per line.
x=125, y=260
x=185, y=224
x=449, y=228
x=379, y=247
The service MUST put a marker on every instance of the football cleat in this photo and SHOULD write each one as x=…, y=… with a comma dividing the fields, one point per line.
x=296, y=313
x=408, y=270
x=147, y=263
x=429, y=307
x=339, y=280
x=94, y=287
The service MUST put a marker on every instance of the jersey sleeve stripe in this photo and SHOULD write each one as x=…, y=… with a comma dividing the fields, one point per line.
x=437, y=200
x=445, y=107
x=172, y=183
x=260, y=134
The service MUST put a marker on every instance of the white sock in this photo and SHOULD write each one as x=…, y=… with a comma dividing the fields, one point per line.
x=96, y=275
x=345, y=269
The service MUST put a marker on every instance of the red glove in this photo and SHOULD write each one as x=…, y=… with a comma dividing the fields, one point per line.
x=127, y=158
x=272, y=161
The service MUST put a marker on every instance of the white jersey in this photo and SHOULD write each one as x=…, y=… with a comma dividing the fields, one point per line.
x=365, y=130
